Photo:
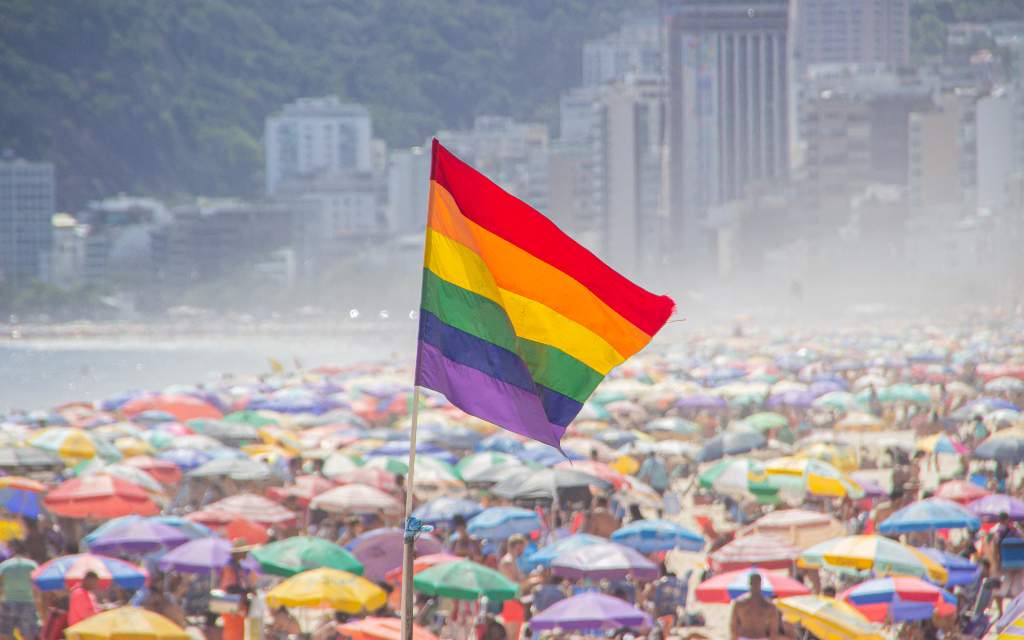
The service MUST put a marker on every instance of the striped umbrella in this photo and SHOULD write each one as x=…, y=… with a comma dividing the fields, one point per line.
x=758, y=550
x=878, y=554
x=930, y=514
x=899, y=599
x=67, y=571
x=651, y=536
x=74, y=445
x=724, y=588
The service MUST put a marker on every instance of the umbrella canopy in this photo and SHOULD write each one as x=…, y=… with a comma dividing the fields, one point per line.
x=547, y=554
x=142, y=536
x=422, y=563
x=872, y=553
x=245, y=506
x=828, y=618
x=28, y=458
x=203, y=555
x=328, y=589
x=990, y=507
x=590, y=611
x=99, y=496
x=373, y=628
x=961, y=491
x=857, y=421
x=843, y=458
x=1002, y=447
x=339, y=464
x=380, y=550
x=20, y=496
x=758, y=550
x=181, y=407
x=730, y=443
x=929, y=515
x=766, y=421
x=356, y=498
x=445, y=509
x=899, y=599
x=465, y=580
x=126, y=623
x=67, y=571
x=485, y=462
x=726, y=587
x=239, y=469
x=737, y=477
x=812, y=476
x=650, y=536
x=549, y=484
x=500, y=523
x=304, y=489
x=607, y=560
x=960, y=569
x=594, y=468
x=74, y=445
x=941, y=443
x=302, y=553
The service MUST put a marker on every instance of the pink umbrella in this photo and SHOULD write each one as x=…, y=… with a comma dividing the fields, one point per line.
x=604, y=560
x=356, y=498
x=380, y=550
x=758, y=550
x=244, y=505
x=727, y=587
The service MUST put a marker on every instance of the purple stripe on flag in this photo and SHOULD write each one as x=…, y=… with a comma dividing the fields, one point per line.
x=485, y=397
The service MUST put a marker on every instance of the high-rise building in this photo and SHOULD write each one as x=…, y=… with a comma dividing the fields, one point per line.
x=634, y=50
x=942, y=152
x=727, y=110
x=852, y=31
x=312, y=135
x=27, y=205
x=408, y=189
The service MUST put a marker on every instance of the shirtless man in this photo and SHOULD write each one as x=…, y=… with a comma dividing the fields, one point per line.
x=600, y=521
x=753, y=616
x=508, y=565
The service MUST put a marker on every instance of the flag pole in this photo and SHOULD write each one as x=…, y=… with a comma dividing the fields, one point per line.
x=409, y=549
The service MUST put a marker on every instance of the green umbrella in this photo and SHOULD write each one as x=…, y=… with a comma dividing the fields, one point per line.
x=159, y=439
x=900, y=392
x=743, y=476
x=766, y=421
x=302, y=553
x=465, y=580
x=252, y=418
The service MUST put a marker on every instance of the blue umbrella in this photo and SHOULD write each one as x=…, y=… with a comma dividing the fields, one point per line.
x=500, y=443
x=960, y=569
x=616, y=438
x=20, y=502
x=109, y=526
x=1001, y=449
x=730, y=443
x=452, y=436
x=544, y=556
x=445, y=509
x=400, y=448
x=186, y=459
x=650, y=536
x=928, y=515
x=499, y=523
x=545, y=455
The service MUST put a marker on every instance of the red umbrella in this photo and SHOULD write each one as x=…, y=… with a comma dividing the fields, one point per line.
x=727, y=587
x=961, y=491
x=246, y=506
x=163, y=471
x=246, y=531
x=99, y=496
x=758, y=550
x=305, y=489
x=181, y=407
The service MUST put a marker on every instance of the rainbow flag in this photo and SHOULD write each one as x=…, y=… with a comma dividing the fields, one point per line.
x=519, y=323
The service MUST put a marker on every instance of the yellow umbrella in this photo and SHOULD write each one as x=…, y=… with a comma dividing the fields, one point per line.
x=277, y=436
x=873, y=553
x=130, y=446
x=328, y=589
x=858, y=421
x=841, y=457
x=1013, y=631
x=126, y=623
x=828, y=618
x=814, y=476
x=626, y=465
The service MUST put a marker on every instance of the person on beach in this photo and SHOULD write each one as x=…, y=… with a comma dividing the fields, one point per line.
x=753, y=616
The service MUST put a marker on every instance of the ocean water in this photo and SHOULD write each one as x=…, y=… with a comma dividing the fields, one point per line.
x=38, y=374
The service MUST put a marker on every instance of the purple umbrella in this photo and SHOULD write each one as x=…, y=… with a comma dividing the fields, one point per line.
x=590, y=611
x=701, y=402
x=380, y=550
x=821, y=387
x=791, y=398
x=142, y=536
x=868, y=483
x=203, y=555
x=601, y=561
x=989, y=507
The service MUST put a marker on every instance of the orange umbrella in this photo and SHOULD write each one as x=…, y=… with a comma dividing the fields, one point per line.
x=99, y=496
x=246, y=531
x=394, y=577
x=374, y=628
x=181, y=407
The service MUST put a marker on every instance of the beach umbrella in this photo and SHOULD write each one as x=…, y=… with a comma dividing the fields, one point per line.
x=429, y=470
x=1002, y=446
x=730, y=443
x=650, y=536
x=302, y=553
x=544, y=556
x=607, y=560
x=941, y=443
x=339, y=464
x=597, y=469
x=766, y=421
x=868, y=481
x=304, y=489
x=500, y=523
x=185, y=459
x=465, y=580
x=590, y=611
x=356, y=498
x=74, y=445
x=589, y=449
x=736, y=477
x=202, y=555
x=872, y=553
x=138, y=537
x=234, y=469
x=230, y=432
x=126, y=623
x=99, y=496
x=328, y=589
x=836, y=401
x=672, y=426
x=549, y=484
x=961, y=570
x=440, y=510
x=538, y=454
x=422, y=563
x=501, y=443
x=990, y=507
x=842, y=457
x=21, y=496
x=245, y=531
x=374, y=628
x=899, y=599
x=810, y=475
x=726, y=587
x=1012, y=630
x=702, y=401
x=962, y=491
x=929, y=515
x=130, y=446
x=180, y=407
x=252, y=418
x=245, y=506
x=380, y=550
x=479, y=463
x=828, y=618
x=857, y=421
x=124, y=472
x=896, y=393
x=28, y=458
x=67, y=571
x=792, y=398
x=378, y=478
x=1004, y=384
x=760, y=550
x=400, y=449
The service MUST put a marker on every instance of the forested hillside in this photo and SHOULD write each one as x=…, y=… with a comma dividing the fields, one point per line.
x=168, y=97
